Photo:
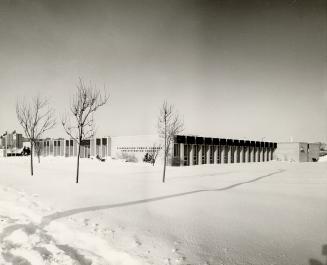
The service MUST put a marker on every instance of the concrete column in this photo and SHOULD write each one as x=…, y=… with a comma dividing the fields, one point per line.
x=70, y=150
x=109, y=146
x=246, y=154
x=264, y=150
x=268, y=153
x=248, y=157
x=191, y=154
x=208, y=153
x=100, y=148
x=60, y=147
x=200, y=154
x=181, y=154
x=215, y=154
x=261, y=154
x=257, y=159
x=51, y=149
x=241, y=154
x=235, y=153
x=229, y=154
x=222, y=154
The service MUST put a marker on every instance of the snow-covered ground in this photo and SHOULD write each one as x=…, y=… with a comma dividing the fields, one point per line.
x=121, y=213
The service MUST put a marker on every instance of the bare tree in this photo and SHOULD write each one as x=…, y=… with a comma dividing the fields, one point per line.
x=85, y=103
x=35, y=118
x=169, y=125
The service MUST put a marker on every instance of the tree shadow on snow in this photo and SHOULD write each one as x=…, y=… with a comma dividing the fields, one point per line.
x=57, y=215
x=317, y=262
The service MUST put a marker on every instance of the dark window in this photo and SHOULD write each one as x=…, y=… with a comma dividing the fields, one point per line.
x=211, y=154
x=67, y=142
x=176, y=150
x=203, y=148
x=186, y=155
x=238, y=154
x=71, y=142
x=195, y=155
x=98, y=141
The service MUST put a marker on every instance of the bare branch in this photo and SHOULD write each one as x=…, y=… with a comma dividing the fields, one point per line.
x=86, y=101
x=169, y=125
x=35, y=120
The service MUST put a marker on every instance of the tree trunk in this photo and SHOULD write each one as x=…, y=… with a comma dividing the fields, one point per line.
x=164, y=171
x=31, y=158
x=165, y=156
x=78, y=154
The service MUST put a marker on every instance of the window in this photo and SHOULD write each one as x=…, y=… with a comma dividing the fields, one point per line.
x=186, y=155
x=195, y=155
x=202, y=147
x=176, y=150
x=211, y=153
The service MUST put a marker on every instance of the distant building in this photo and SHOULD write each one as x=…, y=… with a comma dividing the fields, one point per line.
x=11, y=143
x=298, y=152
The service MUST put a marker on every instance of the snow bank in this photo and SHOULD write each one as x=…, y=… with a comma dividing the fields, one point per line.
x=256, y=213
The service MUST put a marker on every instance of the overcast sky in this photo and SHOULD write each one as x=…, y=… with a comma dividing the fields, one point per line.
x=243, y=69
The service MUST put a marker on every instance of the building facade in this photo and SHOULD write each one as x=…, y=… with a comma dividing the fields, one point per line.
x=195, y=150
x=298, y=152
x=185, y=150
x=135, y=148
x=68, y=147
